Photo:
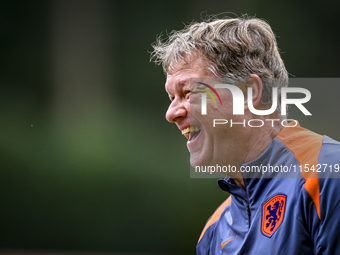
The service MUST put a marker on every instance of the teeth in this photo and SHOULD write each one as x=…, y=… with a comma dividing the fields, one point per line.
x=186, y=130
x=190, y=130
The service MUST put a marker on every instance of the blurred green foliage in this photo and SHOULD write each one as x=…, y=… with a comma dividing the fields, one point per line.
x=114, y=175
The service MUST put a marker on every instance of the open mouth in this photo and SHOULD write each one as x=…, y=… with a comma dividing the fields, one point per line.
x=191, y=132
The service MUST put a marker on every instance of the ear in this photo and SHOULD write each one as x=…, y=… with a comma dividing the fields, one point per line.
x=255, y=83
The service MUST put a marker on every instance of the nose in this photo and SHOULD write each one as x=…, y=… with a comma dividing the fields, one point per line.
x=176, y=111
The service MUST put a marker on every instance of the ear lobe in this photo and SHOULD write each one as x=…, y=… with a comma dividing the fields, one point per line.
x=255, y=85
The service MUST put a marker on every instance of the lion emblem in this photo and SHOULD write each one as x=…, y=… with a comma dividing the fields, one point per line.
x=272, y=214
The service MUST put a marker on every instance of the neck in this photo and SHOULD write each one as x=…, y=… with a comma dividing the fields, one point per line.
x=256, y=142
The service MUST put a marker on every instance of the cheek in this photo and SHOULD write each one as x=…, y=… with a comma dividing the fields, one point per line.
x=195, y=104
x=226, y=109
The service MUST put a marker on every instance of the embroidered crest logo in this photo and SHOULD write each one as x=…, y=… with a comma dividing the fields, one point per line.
x=272, y=214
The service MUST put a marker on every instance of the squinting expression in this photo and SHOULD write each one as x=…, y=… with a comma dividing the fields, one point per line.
x=208, y=145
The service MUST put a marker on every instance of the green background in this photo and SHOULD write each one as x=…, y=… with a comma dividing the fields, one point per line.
x=88, y=162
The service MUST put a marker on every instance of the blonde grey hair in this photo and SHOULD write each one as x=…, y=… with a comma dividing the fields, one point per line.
x=232, y=49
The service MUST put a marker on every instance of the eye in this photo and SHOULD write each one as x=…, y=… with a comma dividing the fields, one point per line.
x=187, y=93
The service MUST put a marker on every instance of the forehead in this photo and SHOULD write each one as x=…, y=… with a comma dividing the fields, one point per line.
x=182, y=73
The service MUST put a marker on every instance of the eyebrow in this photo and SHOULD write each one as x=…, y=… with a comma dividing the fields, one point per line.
x=182, y=82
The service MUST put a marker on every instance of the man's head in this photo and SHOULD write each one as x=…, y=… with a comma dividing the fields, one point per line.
x=232, y=49
x=241, y=52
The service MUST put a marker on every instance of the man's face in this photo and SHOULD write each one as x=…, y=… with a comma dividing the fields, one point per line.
x=208, y=145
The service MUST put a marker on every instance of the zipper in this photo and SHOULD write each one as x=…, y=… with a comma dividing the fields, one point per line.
x=248, y=211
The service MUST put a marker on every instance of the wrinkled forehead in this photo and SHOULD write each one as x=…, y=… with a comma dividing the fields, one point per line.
x=178, y=79
x=188, y=76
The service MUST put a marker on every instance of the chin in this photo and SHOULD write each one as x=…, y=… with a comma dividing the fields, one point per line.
x=197, y=160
